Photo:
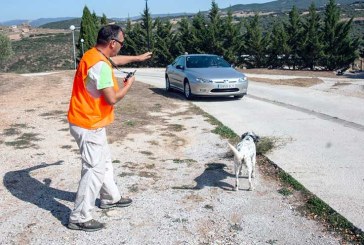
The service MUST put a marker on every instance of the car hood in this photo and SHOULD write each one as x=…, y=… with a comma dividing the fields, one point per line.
x=215, y=73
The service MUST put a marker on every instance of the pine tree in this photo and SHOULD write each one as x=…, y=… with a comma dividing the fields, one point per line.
x=339, y=49
x=163, y=43
x=96, y=20
x=147, y=26
x=214, y=34
x=312, y=49
x=6, y=50
x=184, y=37
x=199, y=34
x=278, y=49
x=294, y=31
x=103, y=20
x=231, y=38
x=88, y=30
x=253, y=52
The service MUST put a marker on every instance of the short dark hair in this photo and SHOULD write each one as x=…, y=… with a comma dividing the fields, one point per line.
x=107, y=33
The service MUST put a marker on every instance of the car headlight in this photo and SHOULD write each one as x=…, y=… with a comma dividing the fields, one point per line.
x=203, y=80
x=242, y=79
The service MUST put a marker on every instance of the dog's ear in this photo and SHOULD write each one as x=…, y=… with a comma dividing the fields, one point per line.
x=244, y=135
x=255, y=137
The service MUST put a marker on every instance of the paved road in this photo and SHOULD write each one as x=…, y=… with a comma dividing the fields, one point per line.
x=321, y=136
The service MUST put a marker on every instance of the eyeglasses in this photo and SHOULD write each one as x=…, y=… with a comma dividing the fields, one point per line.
x=117, y=40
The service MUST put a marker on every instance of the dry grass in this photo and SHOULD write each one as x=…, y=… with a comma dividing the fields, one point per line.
x=298, y=82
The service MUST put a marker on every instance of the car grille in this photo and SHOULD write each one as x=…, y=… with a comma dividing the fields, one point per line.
x=223, y=90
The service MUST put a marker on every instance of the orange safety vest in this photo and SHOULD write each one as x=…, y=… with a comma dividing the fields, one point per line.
x=84, y=110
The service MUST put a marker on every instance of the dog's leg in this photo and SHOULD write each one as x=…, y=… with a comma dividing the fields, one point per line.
x=236, y=168
x=250, y=171
x=253, y=163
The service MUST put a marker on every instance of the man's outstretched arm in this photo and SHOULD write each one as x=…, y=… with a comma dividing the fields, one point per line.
x=125, y=59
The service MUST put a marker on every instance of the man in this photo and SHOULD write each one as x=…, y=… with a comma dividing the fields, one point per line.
x=95, y=91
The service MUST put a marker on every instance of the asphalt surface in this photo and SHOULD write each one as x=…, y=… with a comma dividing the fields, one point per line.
x=320, y=135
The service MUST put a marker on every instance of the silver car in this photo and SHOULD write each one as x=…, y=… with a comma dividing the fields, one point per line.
x=205, y=75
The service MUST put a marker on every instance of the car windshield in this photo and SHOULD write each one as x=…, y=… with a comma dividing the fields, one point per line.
x=205, y=61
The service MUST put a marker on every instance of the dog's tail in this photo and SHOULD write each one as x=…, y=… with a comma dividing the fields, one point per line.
x=236, y=152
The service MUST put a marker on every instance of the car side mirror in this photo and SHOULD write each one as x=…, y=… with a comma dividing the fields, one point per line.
x=180, y=67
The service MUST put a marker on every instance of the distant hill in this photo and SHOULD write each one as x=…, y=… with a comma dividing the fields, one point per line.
x=284, y=5
x=64, y=24
x=34, y=23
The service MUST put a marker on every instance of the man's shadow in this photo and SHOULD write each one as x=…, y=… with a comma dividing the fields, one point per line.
x=23, y=186
x=213, y=176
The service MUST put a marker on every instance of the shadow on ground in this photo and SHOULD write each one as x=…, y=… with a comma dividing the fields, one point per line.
x=177, y=95
x=23, y=186
x=213, y=176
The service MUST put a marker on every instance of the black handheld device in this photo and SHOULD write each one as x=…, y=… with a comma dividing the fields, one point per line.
x=130, y=74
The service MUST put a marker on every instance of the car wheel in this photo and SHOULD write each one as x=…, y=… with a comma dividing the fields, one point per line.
x=187, y=90
x=168, y=84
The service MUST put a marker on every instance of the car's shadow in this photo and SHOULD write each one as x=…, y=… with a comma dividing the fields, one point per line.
x=177, y=95
x=22, y=185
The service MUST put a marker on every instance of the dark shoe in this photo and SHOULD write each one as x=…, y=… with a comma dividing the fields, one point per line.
x=91, y=225
x=123, y=202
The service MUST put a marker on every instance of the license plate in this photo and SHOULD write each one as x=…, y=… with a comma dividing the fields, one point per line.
x=225, y=86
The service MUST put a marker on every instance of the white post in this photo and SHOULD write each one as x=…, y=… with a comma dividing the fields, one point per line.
x=82, y=45
x=72, y=28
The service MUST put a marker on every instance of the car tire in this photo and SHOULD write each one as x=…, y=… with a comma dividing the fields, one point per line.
x=239, y=96
x=168, y=84
x=187, y=90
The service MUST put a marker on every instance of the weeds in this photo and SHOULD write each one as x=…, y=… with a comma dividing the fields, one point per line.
x=176, y=127
x=285, y=192
x=288, y=179
x=266, y=144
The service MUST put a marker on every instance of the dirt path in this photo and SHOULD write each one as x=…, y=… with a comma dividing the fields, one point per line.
x=166, y=158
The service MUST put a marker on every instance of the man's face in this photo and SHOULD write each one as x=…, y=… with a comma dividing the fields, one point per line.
x=118, y=44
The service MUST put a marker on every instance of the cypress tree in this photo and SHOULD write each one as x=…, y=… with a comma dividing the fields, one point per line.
x=184, y=36
x=214, y=34
x=147, y=27
x=231, y=38
x=199, y=34
x=278, y=49
x=254, y=44
x=294, y=31
x=6, y=50
x=312, y=48
x=163, y=37
x=88, y=30
x=103, y=20
x=339, y=49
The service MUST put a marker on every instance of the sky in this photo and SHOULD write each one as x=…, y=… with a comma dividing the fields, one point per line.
x=35, y=9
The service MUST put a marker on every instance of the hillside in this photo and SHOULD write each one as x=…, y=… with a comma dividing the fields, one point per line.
x=284, y=5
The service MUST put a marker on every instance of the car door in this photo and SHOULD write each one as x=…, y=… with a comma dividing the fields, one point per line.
x=180, y=72
x=172, y=72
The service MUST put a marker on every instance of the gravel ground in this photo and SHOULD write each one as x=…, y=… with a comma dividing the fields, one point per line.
x=166, y=159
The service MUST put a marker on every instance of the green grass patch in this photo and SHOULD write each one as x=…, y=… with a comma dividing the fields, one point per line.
x=265, y=145
x=225, y=132
x=285, y=192
x=130, y=123
x=288, y=179
x=116, y=161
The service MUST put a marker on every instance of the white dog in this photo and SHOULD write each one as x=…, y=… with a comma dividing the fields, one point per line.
x=245, y=152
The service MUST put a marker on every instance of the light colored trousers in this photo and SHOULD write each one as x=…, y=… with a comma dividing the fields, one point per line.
x=97, y=175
